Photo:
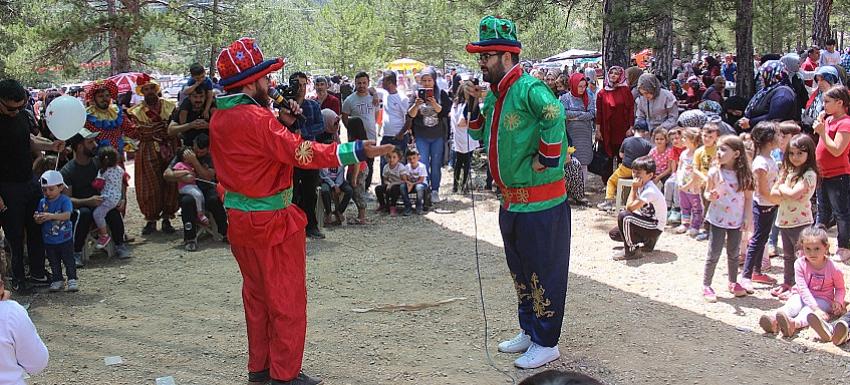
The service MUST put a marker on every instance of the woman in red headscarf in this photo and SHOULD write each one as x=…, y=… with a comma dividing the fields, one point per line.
x=615, y=114
x=580, y=110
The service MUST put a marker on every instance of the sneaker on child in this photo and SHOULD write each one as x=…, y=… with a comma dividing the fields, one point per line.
x=839, y=333
x=737, y=289
x=708, y=294
x=73, y=285
x=820, y=326
x=102, y=241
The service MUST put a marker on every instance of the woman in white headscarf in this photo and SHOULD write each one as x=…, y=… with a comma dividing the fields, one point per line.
x=592, y=86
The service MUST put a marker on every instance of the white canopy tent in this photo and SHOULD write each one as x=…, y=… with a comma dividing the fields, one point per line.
x=572, y=54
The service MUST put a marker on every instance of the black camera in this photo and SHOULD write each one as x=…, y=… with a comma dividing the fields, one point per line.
x=284, y=92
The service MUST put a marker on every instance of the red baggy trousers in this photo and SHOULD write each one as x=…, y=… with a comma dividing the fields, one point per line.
x=274, y=294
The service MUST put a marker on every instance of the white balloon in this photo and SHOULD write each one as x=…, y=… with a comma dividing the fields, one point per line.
x=65, y=117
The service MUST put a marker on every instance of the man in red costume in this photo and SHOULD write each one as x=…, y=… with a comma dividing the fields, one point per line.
x=254, y=156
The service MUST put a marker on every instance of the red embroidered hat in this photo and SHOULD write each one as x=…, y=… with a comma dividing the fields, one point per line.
x=242, y=63
x=96, y=86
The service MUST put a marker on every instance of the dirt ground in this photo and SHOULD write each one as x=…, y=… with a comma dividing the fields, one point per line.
x=168, y=312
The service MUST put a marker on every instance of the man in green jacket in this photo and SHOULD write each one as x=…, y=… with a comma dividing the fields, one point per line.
x=522, y=126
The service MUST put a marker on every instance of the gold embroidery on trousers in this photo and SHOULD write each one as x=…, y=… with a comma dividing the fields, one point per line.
x=520, y=289
x=539, y=302
x=304, y=153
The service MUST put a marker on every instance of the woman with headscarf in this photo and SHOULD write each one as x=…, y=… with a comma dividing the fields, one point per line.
x=655, y=105
x=632, y=74
x=677, y=91
x=775, y=101
x=429, y=128
x=795, y=80
x=677, y=68
x=592, y=87
x=615, y=114
x=710, y=70
x=580, y=109
x=693, y=93
x=825, y=78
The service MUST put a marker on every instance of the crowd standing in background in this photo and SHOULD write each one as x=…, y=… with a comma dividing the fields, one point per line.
x=758, y=177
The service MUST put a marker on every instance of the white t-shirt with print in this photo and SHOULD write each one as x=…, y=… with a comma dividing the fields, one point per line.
x=767, y=164
x=798, y=212
x=413, y=173
x=655, y=206
x=363, y=108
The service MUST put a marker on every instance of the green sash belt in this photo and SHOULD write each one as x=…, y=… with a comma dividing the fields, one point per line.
x=279, y=201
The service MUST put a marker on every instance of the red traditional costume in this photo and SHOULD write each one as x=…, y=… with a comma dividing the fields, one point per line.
x=254, y=156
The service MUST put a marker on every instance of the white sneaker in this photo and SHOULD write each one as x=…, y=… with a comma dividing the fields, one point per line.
x=56, y=286
x=537, y=356
x=692, y=233
x=518, y=344
x=73, y=285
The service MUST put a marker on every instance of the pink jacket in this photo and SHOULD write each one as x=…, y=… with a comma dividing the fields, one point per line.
x=826, y=283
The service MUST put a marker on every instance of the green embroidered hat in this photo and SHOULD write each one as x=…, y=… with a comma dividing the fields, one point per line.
x=495, y=34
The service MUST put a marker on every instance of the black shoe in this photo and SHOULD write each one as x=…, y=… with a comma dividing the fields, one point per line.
x=166, y=227
x=224, y=239
x=315, y=234
x=149, y=228
x=39, y=281
x=302, y=379
x=21, y=287
x=261, y=377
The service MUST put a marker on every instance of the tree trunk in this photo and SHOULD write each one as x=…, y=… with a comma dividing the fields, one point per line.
x=121, y=42
x=664, y=45
x=802, y=43
x=820, y=25
x=214, y=48
x=744, y=48
x=113, y=53
x=615, y=33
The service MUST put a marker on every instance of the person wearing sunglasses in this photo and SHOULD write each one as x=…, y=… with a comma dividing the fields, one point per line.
x=522, y=125
x=18, y=195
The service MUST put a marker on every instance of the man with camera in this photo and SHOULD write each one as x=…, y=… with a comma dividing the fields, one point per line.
x=255, y=156
x=305, y=181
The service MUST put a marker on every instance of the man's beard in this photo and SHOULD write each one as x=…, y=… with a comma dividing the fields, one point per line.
x=89, y=152
x=102, y=106
x=151, y=99
x=261, y=96
x=495, y=74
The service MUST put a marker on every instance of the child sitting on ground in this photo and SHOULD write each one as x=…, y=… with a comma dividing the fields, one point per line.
x=389, y=192
x=818, y=293
x=334, y=183
x=671, y=190
x=192, y=188
x=54, y=216
x=640, y=225
x=730, y=189
x=198, y=79
x=110, y=182
x=414, y=182
x=631, y=149
x=689, y=184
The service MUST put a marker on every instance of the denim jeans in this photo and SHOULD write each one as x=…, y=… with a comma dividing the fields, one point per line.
x=431, y=151
x=834, y=200
x=61, y=254
x=419, y=188
x=763, y=219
